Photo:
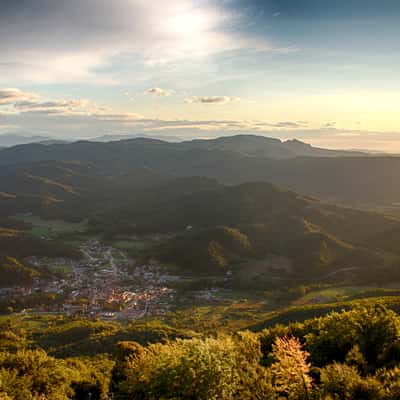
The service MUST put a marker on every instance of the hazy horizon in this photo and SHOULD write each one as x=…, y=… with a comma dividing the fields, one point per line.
x=318, y=72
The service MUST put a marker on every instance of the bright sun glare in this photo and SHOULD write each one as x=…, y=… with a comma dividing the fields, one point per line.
x=188, y=23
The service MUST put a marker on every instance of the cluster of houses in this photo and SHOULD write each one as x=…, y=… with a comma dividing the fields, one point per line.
x=103, y=284
x=120, y=303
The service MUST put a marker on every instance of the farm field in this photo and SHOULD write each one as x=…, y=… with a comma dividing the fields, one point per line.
x=50, y=229
x=338, y=294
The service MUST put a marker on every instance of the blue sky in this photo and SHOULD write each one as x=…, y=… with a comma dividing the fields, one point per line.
x=322, y=71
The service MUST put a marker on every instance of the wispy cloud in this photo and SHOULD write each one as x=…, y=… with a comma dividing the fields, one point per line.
x=82, y=118
x=55, y=104
x=20, y=102
x=117, y=117
x=71, y=40
x=156, y=91
x=28, y=110
x=212, y=99
x=283, y=124
x=13, y=95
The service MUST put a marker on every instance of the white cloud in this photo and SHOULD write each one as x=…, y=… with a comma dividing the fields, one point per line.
x=71, y=40
x=19, y=102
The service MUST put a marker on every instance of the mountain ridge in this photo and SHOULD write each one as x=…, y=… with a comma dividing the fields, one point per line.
x=363, y=180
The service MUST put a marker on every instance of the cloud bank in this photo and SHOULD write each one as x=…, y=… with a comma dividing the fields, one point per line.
x=29, y=112
x=13, y=95
x=48, y=41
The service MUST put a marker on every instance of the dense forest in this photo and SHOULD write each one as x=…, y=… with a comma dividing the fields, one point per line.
x=211, y=227
x=352, y=355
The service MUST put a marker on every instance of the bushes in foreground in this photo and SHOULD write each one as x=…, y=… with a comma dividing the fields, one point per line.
x=352, y=355
x=209, y=369
x=32, y=374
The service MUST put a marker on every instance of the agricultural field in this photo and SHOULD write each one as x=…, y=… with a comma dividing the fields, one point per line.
x=330, y=295
x=343, y=293
x=51, y=229
x=140, y=249
x=132, y=246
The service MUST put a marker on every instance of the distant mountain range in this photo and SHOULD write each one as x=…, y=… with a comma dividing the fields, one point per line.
x=14, y=139
x=113, y=138
x=251, y=145
x=261, y=146
x=349, y=177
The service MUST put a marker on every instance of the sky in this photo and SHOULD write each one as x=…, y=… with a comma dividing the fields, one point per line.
x=321, y=71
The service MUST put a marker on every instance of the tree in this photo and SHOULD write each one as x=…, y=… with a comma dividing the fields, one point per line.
x=375, y=331
x=29, y=374
x=291, y=370
x=342, y=382
x=223, y=368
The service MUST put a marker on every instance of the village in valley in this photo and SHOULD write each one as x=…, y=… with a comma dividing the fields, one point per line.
x=119, y=279
x=104, y=283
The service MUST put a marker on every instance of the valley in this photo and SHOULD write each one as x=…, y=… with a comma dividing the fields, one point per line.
x=110, y=259
x=120, y=280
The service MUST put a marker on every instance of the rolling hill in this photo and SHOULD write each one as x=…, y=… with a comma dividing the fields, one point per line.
x=195, y=192
x=236, y=224
x=343, y=177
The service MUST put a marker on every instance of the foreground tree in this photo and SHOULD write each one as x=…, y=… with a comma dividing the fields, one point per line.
x=222, y=368
x=291, y=370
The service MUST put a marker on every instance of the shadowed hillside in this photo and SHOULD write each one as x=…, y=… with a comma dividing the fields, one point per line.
x=333, y=175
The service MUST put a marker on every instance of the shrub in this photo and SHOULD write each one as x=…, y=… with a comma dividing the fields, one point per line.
x=224, y=368
x=342, y=382
x=390, y=379
x=375, y=330
x=29, y=374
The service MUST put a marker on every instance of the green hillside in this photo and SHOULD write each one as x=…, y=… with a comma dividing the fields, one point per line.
x=15, y=273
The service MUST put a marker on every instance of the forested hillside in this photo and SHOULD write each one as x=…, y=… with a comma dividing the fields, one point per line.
x=341, y=176
x=205, y=218
x=350, y=355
